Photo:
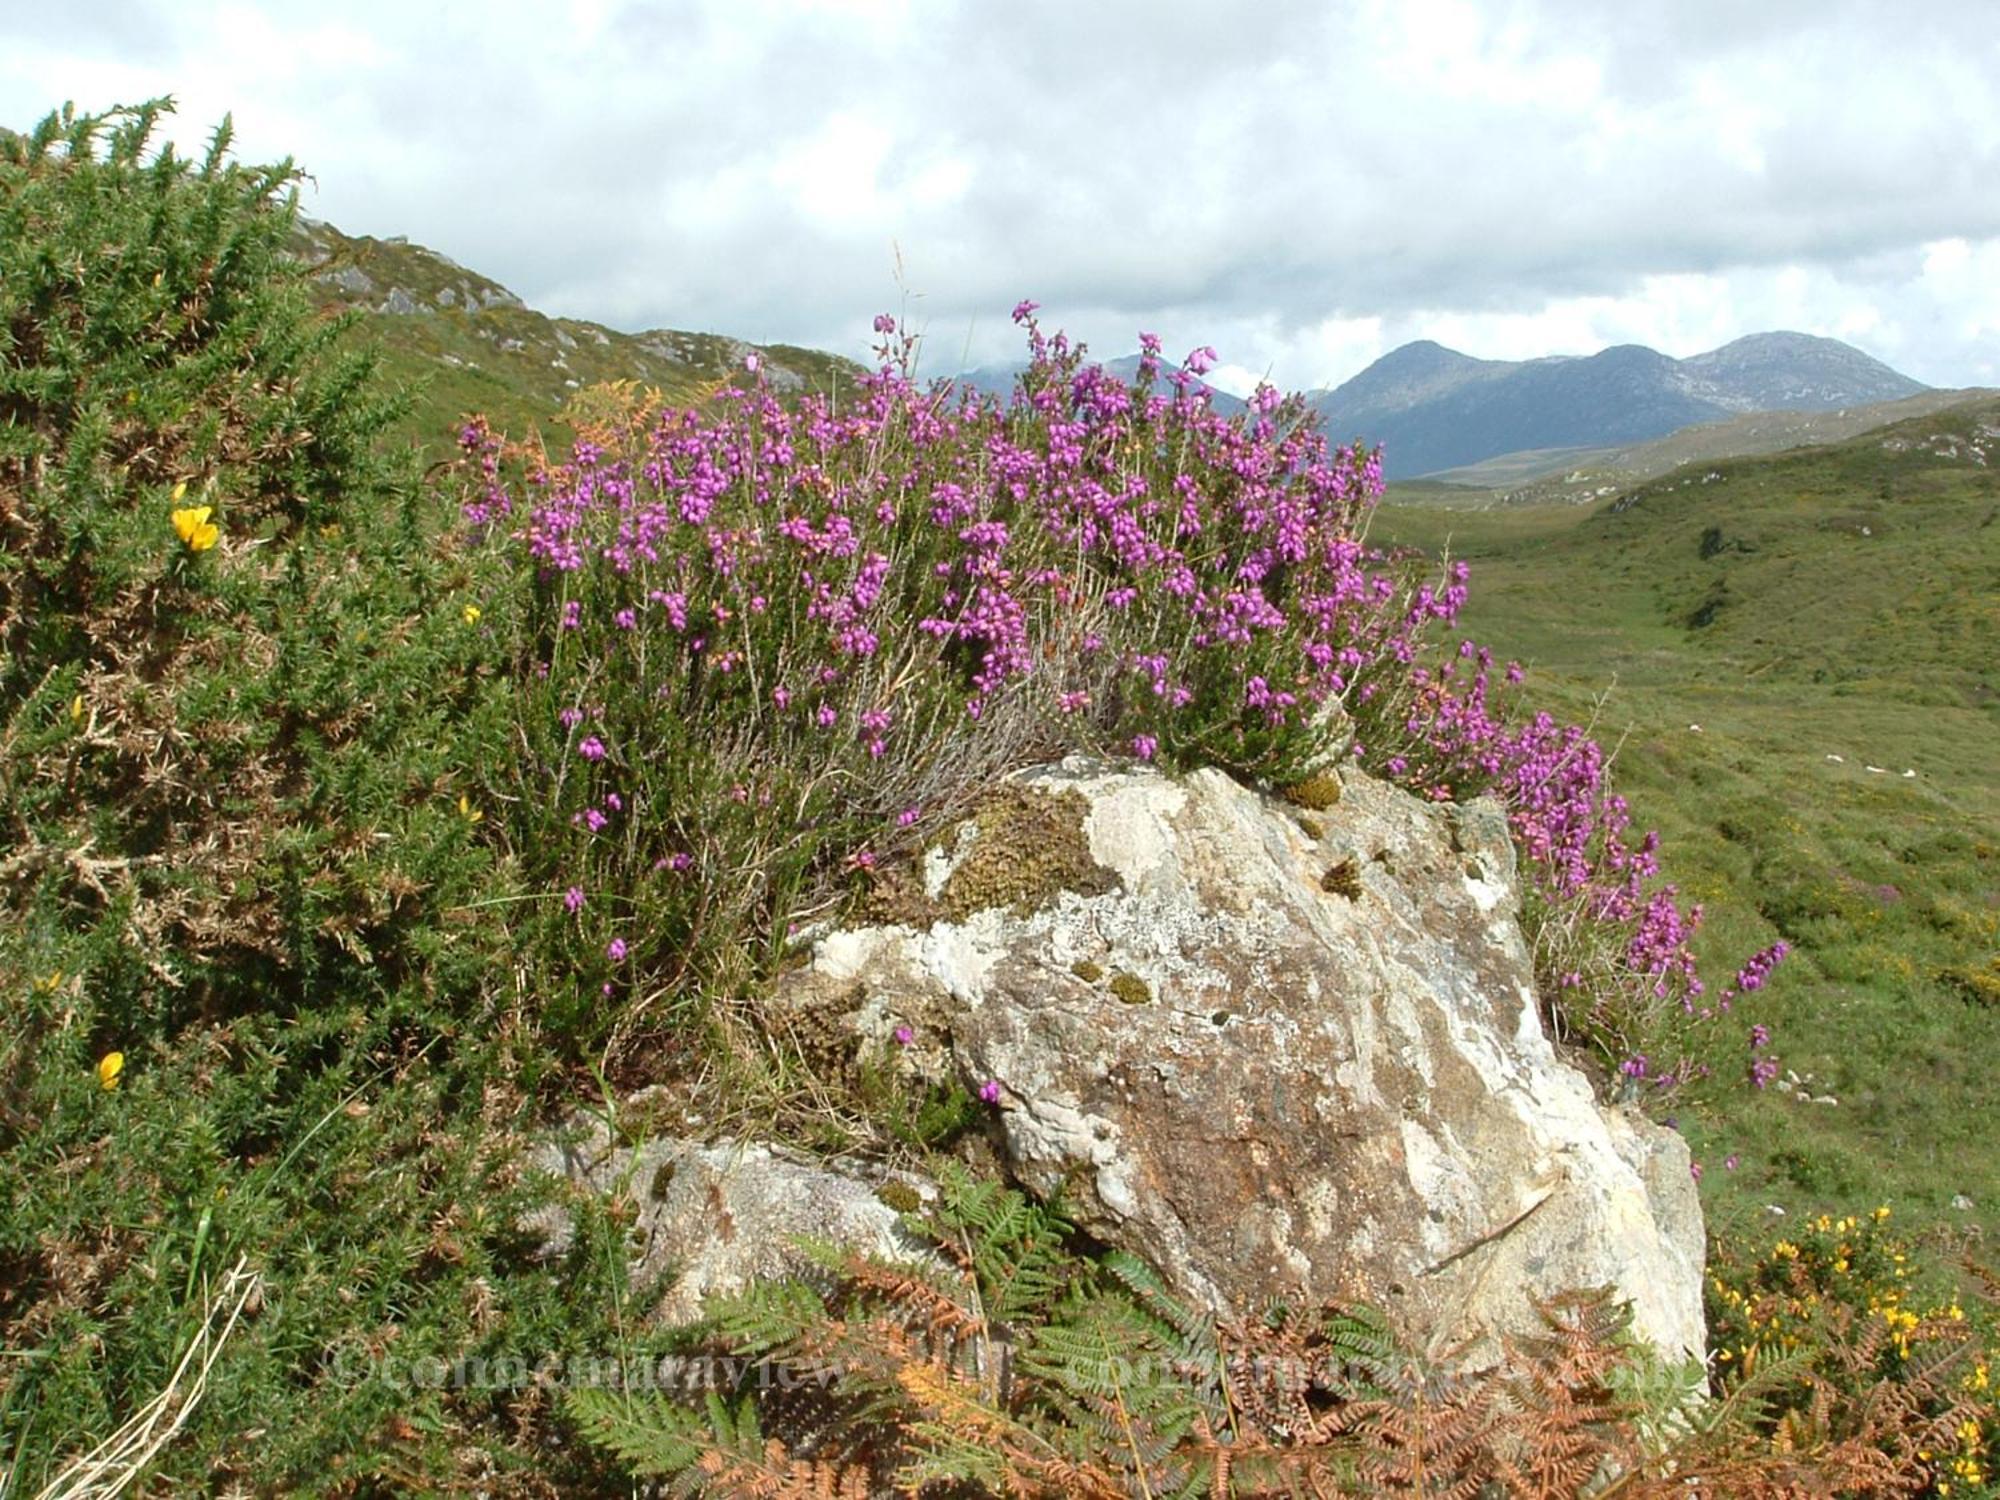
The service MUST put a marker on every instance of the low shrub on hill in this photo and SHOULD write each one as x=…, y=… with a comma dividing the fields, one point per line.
x=251, y=1057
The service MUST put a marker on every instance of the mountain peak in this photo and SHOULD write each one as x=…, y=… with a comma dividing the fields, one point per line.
x=1434, y=408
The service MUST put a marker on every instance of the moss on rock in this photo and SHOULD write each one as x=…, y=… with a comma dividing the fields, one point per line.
x=1131, y=989
x=899, y=1196
x=1344, y=879
x=1318, y=791
x=1030, y=846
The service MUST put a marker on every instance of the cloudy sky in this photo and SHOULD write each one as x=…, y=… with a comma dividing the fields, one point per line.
x=1304, y=186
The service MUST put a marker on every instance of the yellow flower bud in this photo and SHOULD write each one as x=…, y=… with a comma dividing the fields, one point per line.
x=180, y=492
x=109, y=1068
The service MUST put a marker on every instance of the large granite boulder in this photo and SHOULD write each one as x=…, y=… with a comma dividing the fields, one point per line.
x=1282, y=1053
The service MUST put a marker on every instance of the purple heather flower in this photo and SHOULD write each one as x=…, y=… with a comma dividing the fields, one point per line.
x=615, y=950
x=573, y=898
x=1144, y=746
x=908, y=816
x=904, y=1036
x=592, y=748
x=989, y=1091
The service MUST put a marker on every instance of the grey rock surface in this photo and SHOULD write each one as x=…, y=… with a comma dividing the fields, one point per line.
x=715, y=1217
x=1282, y=1054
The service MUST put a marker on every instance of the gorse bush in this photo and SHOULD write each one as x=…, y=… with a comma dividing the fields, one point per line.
x=766, y=649
x=186, y=462
x=244, y=1024
x=1842, y=1307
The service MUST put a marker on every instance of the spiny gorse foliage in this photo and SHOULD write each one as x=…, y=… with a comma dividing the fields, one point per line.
x=243, y=1018
x=195, y=528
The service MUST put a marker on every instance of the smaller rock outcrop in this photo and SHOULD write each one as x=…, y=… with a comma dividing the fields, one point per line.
x=716, y=1217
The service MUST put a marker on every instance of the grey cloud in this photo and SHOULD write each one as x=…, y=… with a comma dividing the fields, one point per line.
x=1261, y=170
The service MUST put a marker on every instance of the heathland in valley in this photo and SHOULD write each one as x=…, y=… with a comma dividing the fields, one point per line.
x=340, y=597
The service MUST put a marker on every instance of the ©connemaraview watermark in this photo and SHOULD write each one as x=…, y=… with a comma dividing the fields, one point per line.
x=352, y=1366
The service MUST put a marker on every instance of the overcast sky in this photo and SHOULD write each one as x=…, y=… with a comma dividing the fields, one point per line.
x=1304, y=186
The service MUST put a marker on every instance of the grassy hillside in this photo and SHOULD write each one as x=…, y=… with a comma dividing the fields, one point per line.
x=1580, y=475
x=464, y=343
x=1817, y=614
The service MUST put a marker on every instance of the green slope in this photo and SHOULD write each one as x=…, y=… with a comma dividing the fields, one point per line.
x=1840, y=601
x=467, y=344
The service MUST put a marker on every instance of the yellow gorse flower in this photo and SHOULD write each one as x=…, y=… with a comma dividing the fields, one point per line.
x=193, y=527
x=109, y=1069
x=467, y=811
x=471, y=614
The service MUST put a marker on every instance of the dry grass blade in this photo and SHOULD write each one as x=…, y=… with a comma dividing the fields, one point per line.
x=109, y=1468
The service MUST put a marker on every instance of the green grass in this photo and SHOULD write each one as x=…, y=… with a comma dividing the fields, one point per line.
x=470, y=346
x=1849, y=600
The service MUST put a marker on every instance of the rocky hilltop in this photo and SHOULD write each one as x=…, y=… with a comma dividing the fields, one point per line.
x=467, y=343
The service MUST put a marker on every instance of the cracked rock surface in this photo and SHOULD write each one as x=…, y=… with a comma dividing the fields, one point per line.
x=1285, y=1057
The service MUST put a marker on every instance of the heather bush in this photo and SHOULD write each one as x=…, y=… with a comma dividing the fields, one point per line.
x=766, y=649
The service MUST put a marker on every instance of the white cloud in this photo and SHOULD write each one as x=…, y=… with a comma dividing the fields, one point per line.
x=1303, y=188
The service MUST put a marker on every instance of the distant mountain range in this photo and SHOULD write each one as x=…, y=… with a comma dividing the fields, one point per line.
x=1432, y=408
x=470, y=344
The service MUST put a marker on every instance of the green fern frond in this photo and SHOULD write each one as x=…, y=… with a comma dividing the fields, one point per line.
x=767, y=1316
x=651, y=1435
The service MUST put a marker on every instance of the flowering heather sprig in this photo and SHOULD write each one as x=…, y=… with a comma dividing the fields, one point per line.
x=1452, y=738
